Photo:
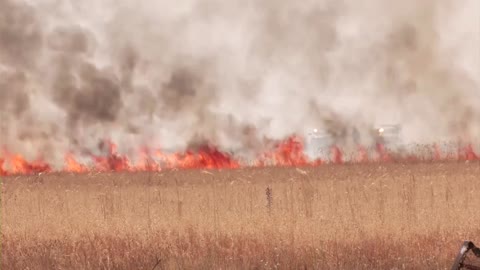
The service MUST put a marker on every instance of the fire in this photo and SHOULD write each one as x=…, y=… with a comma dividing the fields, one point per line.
x=206, y=157
x=438, y=152
x=337, y=155
x=289, y=152
x=2, y=170
x=362, y=154
x=71, y=165
x=383, y=153
x=468, y=153
x=146, y=163
x=20, y=166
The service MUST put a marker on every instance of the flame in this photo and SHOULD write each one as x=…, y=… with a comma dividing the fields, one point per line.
x=20, y=166
x=71, y=165
x=289, y=152
x=362, y=154
x=2, y=170
x=146, y=162
x=337, y=155
x=438, y=152
x=468, y=153
x=383, y=153
x=113, y=161
x=206, y=157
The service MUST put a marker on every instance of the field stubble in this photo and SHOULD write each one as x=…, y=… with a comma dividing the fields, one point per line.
x=369, y=216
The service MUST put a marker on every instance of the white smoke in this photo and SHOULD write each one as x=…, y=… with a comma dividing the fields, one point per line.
x=167, y=73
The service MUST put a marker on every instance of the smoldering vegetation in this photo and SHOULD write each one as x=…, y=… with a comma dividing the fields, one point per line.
x=163, y=74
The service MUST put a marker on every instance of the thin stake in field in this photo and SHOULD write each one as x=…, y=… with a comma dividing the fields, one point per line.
x=269, y=194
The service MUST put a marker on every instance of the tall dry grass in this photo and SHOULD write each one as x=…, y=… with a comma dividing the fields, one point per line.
x=396, y=216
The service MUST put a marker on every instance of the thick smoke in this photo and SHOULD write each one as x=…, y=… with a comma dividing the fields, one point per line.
x=170, y=74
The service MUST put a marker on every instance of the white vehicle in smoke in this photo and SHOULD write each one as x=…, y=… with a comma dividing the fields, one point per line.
x=320, y=142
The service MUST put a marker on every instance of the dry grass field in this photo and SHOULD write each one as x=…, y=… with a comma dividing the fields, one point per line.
x=370, y=216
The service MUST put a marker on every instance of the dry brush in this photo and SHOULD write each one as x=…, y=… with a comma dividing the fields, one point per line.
x=368, y=216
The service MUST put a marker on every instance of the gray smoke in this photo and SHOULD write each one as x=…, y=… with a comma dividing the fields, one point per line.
x=233, y=73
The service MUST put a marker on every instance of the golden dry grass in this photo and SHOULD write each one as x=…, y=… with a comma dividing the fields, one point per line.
x=391, y=216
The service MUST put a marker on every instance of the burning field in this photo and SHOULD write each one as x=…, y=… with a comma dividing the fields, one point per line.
x=165, y=135
x=206, y=209
x=357, y=216
x=290, y=152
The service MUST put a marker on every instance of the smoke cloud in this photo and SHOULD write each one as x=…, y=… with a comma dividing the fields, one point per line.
x=171, y=75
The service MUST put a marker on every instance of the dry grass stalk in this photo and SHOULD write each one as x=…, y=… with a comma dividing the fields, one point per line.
x=395, y=216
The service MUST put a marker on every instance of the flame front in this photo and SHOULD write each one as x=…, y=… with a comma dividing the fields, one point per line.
x=2, y=170
x=289, y=152
x=71, y=165
x=18, y=165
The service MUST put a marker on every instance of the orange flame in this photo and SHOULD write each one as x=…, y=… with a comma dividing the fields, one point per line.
x=2, y=170
x=383, y=153
x=21, y=166
x=71, y=165
x=438, y=152
x=146, y=163
x=469, y=153
x=289, y=152
x=362, y=154
x=337, y=155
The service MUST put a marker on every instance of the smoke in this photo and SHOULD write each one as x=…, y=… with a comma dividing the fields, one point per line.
x=233, y=73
